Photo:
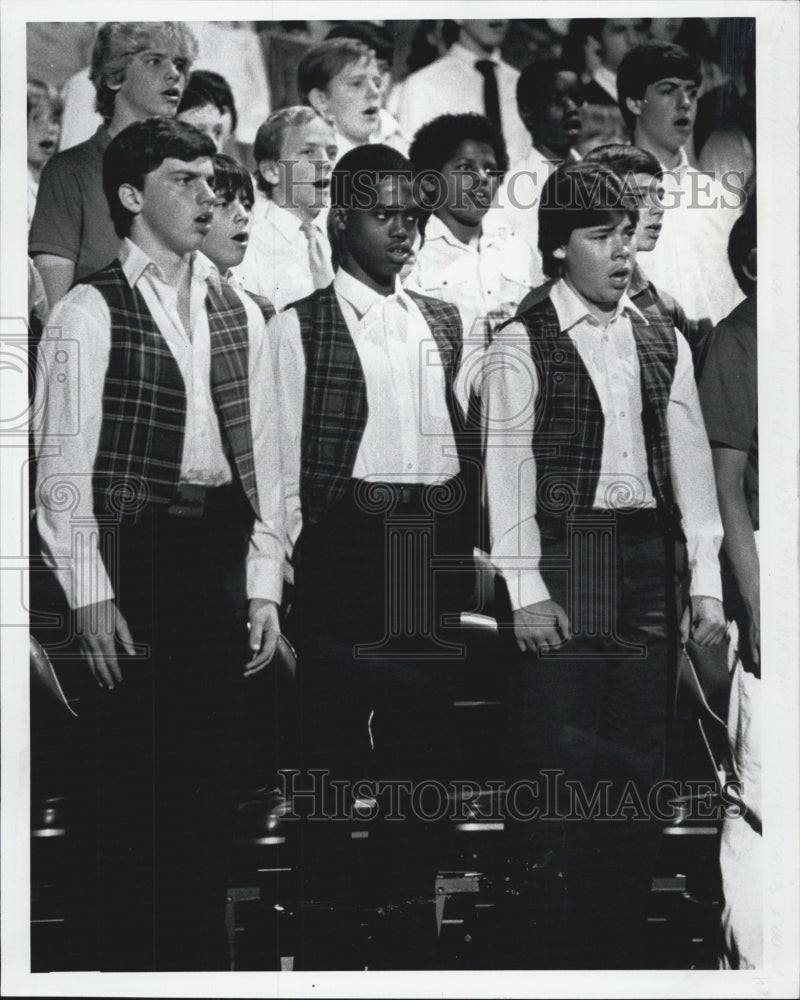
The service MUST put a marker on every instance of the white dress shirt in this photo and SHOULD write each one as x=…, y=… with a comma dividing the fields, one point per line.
x=486, y=279
x=517, y=202
x=276, y=264
x=452, y=85
x=690, y=260
x=408, y=436
x=68, y=419
x=388, y=132
x=609, y=354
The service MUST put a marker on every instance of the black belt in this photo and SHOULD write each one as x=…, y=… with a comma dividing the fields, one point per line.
x=404, y=494
x=627, y=521
x=194, y=500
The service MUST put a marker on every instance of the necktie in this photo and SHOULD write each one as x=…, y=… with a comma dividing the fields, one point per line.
x=321, y=273
x=491, y=100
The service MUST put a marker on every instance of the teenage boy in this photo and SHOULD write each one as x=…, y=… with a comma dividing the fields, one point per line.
x=549, y=100
x=642, y=177
x=138, y=69
x=371, y=438
x=288, y=255
x=459, y=161
x=227, y=239
x=176, y=520
x=208, y=104
x=381, y=40
x=341, y=80
x=596, y=463
x=470, y=76
x=658, y=84
x=729, y=394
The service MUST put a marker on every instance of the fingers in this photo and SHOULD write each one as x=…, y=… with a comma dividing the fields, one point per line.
x=100, y=654
x=124, y=636
x=707, y=632
x=264, y=653
x=686, y=621
x=539, y=640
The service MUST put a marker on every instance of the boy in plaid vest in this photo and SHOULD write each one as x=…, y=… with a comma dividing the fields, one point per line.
x=176, y=520
x=371, y=436
x=596, y=463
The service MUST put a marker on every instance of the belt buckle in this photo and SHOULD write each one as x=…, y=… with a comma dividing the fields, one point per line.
x=190, y=499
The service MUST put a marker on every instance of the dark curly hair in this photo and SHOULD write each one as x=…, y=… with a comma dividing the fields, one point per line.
x=438, y=139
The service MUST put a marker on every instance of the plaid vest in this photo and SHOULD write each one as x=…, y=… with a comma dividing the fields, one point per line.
x=144, y=399
x=335, y=404
x=568, y=430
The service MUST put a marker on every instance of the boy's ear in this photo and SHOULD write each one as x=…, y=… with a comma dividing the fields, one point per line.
x=338, y=217
x=634, y=105
x=131, y=198
x=269, y=171
x=318, y=100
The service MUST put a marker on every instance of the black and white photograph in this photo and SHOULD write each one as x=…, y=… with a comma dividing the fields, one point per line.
x=381, y=510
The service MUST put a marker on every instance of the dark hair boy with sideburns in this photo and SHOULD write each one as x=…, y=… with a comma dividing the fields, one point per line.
x=175, y=451
x=595, y=443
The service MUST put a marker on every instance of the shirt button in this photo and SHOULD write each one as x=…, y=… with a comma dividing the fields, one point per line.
x=624, y=454
x=408, y=465
x=622, y=414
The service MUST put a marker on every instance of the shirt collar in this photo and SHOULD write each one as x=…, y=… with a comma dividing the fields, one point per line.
x=638, y=281
x=360, y=296
x=435, y=229
x=135, y=262
x=571, y=311
x=286, y=222
x=465, y=55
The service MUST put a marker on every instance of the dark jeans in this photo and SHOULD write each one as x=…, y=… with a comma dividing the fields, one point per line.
x=165, y=740
x=596, y=712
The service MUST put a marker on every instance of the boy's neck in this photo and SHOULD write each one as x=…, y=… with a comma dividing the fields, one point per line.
x=173, y=266
x=463, y=233
x=123, y=117
x=475, y=47
x=670, y=159
x=298, y=211
x=553, y=155
x=352, y=268
x=602, y=311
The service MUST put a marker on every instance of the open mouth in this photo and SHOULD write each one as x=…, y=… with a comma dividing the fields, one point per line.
x=204, y=220
x=322, y=184
x=241, y=238
x=172, y=94
x=46, y=145
x=572, y=124
x=399, y=251
x=620, y=277
x=371, y=113
x=683, y=123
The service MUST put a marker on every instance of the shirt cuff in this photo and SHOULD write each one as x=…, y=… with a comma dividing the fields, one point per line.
x=525, y=587
x=264, y=578
x=705, y=579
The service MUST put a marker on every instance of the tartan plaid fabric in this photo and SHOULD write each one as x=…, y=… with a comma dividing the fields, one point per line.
x=335, y=405
x=144, y=399
x=568, y=437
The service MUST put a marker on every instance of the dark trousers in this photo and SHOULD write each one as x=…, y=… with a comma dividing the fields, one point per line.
x=593, y=717
x=368, y=621
x=165, y=740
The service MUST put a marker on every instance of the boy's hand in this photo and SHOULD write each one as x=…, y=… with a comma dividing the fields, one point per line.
x=541, y=626
x=264, y=632
x=98, y=627
x=705, y=618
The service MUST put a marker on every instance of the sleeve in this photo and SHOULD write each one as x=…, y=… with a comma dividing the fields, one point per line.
x=72, y=363
x=284, y=332
x=266, y=552
x=58, y=220
x=693, y=478
x=510, y=387
x=729, y=390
